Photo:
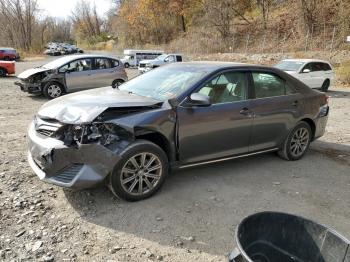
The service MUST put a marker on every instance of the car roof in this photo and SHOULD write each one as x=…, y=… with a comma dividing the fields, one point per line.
x=69, y=58
x=306, y=60
x=217, y=65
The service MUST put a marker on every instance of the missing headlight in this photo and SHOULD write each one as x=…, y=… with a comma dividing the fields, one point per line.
x=101, y=133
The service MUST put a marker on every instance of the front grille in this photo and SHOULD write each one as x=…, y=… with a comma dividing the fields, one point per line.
x=68, y=174
x=142, y=65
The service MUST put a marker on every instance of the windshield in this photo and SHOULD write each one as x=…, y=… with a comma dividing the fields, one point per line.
x=161, y=57
x=127, y=57
x=164, y=83
x=289, y=65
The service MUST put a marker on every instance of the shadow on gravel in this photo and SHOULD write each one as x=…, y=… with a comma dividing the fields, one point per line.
x=338, y=94
x=207, y=202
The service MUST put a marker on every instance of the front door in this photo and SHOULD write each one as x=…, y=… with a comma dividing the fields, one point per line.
x=79, y=74
x=221, y=129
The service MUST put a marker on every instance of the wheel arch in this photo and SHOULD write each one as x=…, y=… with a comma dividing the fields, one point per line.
x=312, y=125
x=159, y=139
x=55, y=80
x=3, y=68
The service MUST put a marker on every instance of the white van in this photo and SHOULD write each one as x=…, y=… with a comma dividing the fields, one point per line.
x=133, y=57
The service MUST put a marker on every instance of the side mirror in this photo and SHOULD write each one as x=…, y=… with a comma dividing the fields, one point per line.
x=197, y=99
x=306, y=71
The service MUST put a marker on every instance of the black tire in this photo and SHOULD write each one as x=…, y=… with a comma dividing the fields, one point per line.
x=3, y=72
x=126, y=65
x=135, y=151
x=325, y=85
x=51, y=95
x=117, y=82
x=286, y=152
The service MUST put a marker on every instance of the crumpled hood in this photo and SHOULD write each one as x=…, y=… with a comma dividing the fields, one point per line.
x=85, y=106
x=31, y=72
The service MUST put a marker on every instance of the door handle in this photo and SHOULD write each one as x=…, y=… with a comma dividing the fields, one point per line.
x=295, y=103
x=245, y=111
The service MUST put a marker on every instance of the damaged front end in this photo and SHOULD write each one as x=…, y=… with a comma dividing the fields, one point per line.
x=75, y=155
x=33, y=83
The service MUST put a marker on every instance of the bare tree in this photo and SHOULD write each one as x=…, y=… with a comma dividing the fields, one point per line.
x=20, y=18
x=264, y=6
x=85, y=19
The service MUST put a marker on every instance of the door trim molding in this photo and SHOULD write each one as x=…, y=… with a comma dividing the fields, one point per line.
x=228, y=158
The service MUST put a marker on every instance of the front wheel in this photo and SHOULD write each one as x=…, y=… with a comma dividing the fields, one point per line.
x=53, y=90
x=325, y=85
x=140, y=173
x=297, y=143
x=2, y=72
x=126, y=65
x=116, y=83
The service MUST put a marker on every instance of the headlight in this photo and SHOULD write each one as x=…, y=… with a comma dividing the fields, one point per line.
x=149, y=65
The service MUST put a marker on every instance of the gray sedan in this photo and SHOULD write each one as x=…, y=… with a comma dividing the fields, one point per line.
x=177, y=116
x=72, y=73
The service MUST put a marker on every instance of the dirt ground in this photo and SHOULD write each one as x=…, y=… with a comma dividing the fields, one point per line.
x=192, y=218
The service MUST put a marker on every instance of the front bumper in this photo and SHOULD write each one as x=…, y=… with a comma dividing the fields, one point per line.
x=81, y=167
x=32, y=88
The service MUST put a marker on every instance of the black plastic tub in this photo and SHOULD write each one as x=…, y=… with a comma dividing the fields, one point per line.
x=280, y=237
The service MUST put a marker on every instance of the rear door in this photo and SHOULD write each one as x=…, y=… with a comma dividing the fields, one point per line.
x=78, y=74
x=103, y=72
x=221, y=129
x=275, y=109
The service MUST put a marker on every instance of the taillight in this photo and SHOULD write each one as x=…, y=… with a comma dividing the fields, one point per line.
x=326, y=98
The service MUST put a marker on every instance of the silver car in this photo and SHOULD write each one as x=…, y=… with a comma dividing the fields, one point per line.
x=72, y=73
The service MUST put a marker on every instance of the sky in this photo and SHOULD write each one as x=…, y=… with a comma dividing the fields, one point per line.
x=63, y=8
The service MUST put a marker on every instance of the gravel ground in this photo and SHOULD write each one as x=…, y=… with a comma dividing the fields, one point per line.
x=191, y=219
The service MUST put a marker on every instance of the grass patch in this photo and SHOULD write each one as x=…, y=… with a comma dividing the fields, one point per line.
x=343, y=72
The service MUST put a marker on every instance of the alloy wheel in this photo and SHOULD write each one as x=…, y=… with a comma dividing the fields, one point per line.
x=141, y=173
x=299, y=141
x=54, y=91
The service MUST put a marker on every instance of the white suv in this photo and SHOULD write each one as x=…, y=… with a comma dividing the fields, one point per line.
x=314, y=73
x=147, y=65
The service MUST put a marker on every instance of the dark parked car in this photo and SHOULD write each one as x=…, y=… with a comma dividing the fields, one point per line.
x=176, y=116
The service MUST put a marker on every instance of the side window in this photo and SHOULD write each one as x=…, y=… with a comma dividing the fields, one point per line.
x=115, y=63
x=179, y=58
x=326, y=67
x=316, y=67
x=268, y=85
x=102, y=63
x=226, y=87
x=169, y=59
x=77, y=66
x=308, y=66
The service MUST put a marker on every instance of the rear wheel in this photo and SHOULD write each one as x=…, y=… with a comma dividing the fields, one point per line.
x=2, y=72
x=53, y=90
x=140, y=173
x=297, y=143
x=117, y=82
x=325, y=85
